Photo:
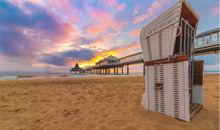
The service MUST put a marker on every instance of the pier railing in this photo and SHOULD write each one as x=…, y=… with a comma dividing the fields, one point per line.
x=205, y=43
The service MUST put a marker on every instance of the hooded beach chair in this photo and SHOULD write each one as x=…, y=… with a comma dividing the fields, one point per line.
x=173, y=79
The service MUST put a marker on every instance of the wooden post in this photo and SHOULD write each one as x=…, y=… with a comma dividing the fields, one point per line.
x=143, y=69
x=117, y=70
x=127, y=69
x=121, y=70
x=114, y=70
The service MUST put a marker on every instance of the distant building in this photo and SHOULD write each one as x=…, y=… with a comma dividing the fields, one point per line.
x=108, y=60
x=77, y=69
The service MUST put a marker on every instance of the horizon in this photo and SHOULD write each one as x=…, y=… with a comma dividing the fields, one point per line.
x=50, y=35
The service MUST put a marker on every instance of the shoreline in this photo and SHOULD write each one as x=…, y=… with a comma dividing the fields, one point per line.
x=28, y=77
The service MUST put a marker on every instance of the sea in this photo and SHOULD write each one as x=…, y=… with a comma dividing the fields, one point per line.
x=134, y=70
x=31, y=75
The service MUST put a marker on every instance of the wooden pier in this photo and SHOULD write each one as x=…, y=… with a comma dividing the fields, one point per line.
x=117, y=65
x=206, y=43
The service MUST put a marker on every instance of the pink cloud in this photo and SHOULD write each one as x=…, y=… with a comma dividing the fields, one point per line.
x=75, y=19
x=215, y=11
x=114, y=4
x=102, y=40
x=102, y=21
x=154, y=8
x=20, y=2
x=95, y=29
x=68, y=28
x=121, y=7
x=130, y=48
x=66, y=9
x=135, y=32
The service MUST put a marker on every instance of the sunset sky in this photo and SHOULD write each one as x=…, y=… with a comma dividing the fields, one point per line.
x=39, y=34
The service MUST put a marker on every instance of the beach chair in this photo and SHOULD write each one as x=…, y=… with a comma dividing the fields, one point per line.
x=173, y=79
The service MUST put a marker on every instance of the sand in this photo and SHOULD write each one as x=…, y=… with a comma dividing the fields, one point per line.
x=100, y=103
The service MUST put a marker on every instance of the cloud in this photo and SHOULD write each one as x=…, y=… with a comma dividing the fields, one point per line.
x=23, y=34
x=114, y=4
x=95, y=29
x=14, y=43
x=135, y=32
x=154, y=8
x=67, y=57
x=102, y=21
x=121, y=7
x=135, y=12
x=129, y=46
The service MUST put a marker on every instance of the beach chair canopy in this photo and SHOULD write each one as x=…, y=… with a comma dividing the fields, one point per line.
x=159, y=37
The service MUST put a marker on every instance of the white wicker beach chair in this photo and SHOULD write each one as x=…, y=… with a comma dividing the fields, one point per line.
x=171, y=86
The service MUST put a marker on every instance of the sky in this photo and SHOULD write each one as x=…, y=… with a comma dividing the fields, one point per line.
x=40, y=35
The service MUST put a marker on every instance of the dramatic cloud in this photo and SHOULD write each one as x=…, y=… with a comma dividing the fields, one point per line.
x=25, y=34
x=65, y=58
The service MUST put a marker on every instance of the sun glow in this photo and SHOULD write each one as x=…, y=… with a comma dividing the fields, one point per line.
x=99, y=57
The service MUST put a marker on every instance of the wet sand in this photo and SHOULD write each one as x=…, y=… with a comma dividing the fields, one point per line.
x=100, y=103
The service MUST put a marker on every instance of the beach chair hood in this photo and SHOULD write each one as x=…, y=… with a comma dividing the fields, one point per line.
x=159, y=36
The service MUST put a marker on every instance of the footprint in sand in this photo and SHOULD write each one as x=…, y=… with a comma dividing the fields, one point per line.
x=67, y=113
x=18, y=110
x=74, y=93
x=39, y=121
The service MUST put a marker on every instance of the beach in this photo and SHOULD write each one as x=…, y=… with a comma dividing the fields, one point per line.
x=94, y=103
